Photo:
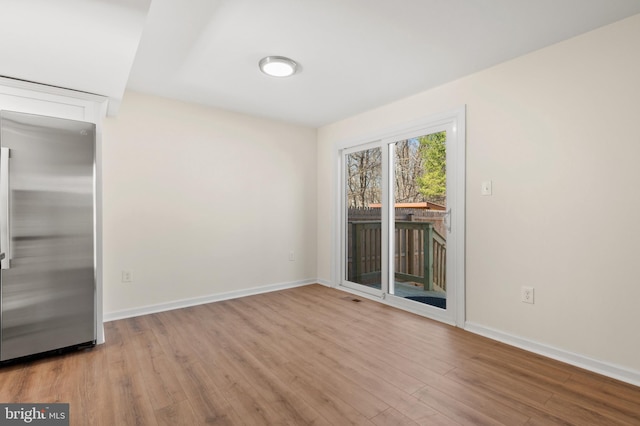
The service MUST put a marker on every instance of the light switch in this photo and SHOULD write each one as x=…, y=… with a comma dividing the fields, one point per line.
x=486, y=188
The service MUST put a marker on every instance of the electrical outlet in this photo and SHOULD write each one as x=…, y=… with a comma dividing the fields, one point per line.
x=292, y=256
x=127, y=276
x=527, y=294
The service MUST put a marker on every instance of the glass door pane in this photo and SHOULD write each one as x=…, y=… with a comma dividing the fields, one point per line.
x=420, y=237
x=363, y=179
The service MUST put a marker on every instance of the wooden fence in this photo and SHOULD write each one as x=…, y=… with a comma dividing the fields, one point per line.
x=401, y=213
x=420, y=253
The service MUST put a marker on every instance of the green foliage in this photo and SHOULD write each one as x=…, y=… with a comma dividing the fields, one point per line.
x=433, y=183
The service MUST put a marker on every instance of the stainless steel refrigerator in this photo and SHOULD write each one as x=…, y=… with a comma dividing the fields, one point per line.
x=47, y=234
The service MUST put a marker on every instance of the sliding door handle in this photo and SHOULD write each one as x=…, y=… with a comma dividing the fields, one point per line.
x=5, y=230
x=447, y=220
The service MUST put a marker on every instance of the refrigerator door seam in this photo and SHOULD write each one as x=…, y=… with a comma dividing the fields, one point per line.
x=5, y=237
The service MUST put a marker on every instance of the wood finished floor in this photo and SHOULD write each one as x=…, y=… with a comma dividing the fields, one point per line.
x=311, y=355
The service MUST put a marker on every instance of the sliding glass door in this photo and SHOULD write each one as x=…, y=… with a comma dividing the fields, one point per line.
x=402, y=218
x=363, y=226
x=419, y=210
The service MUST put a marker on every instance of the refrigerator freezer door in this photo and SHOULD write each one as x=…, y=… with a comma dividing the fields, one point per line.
x=47, y=294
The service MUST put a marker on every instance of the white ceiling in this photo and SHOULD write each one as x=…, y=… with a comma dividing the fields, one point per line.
x=355, y=54
x=85, y=45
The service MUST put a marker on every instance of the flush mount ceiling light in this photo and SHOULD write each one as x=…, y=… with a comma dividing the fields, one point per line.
x=278, y=66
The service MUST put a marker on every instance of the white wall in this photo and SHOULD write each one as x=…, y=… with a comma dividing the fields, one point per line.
x=558, y=132
x=199, y=201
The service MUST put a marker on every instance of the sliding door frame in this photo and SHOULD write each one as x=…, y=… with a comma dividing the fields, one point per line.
x=384, y=237
x=454, y=123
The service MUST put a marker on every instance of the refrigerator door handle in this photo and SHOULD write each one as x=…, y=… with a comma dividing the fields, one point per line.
x=5, y=238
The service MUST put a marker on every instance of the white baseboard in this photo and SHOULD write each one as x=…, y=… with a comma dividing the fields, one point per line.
x=325, y=283
x=606, y=369
x=185, y=303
